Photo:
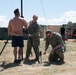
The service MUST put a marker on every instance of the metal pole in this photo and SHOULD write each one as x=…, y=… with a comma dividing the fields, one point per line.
x=22, y=8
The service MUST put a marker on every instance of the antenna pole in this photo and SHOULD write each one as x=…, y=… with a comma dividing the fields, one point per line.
x=22, y=8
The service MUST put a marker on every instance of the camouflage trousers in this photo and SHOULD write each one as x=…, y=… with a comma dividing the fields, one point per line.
x=58, y=55
x=35, y=46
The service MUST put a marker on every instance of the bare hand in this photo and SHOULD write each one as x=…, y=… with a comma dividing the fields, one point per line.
x=29, y=35
x=44, y=53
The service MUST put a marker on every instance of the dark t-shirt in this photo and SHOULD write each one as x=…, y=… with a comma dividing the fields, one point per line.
x=62, y=30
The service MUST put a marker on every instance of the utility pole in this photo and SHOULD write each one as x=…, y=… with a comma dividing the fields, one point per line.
x=22, y=8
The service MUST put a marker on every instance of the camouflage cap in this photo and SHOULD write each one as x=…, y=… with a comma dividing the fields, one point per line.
x=49, y=31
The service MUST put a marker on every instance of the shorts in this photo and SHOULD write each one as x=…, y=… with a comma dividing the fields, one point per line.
x=17, y=41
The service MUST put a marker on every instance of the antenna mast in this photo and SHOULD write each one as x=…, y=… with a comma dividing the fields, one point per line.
x=22, y=8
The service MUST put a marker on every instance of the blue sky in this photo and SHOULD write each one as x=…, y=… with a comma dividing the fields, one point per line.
x=50, y=12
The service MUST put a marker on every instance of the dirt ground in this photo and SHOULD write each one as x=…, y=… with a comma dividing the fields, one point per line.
x=7, y=67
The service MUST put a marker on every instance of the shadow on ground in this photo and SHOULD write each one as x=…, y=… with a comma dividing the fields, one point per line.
x=46, y=63
x=29, y=62
x=9, y=65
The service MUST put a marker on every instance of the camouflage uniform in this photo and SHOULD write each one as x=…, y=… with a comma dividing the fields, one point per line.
x=33, y=29
x=54, y=41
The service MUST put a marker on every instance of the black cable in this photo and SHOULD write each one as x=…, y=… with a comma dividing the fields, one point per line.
x=43, y=10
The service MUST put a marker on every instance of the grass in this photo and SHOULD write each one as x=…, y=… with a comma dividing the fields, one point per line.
x=7, y=67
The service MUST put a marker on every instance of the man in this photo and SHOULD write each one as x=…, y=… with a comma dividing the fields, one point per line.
x=15, y=29
x=33, y=38
x=62, y=32
x=55, y=40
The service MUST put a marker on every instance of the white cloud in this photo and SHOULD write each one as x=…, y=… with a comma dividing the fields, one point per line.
x=3, y=21
x=42, y=20
x=65, y=17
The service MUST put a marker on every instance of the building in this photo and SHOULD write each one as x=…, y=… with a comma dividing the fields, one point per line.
x=70, y=31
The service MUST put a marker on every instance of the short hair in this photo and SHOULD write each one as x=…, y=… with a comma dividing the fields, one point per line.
x=16, y=11
x=35, y=16
x=49, y=31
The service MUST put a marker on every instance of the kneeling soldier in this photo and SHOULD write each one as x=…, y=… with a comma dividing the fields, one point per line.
x=55, y=40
